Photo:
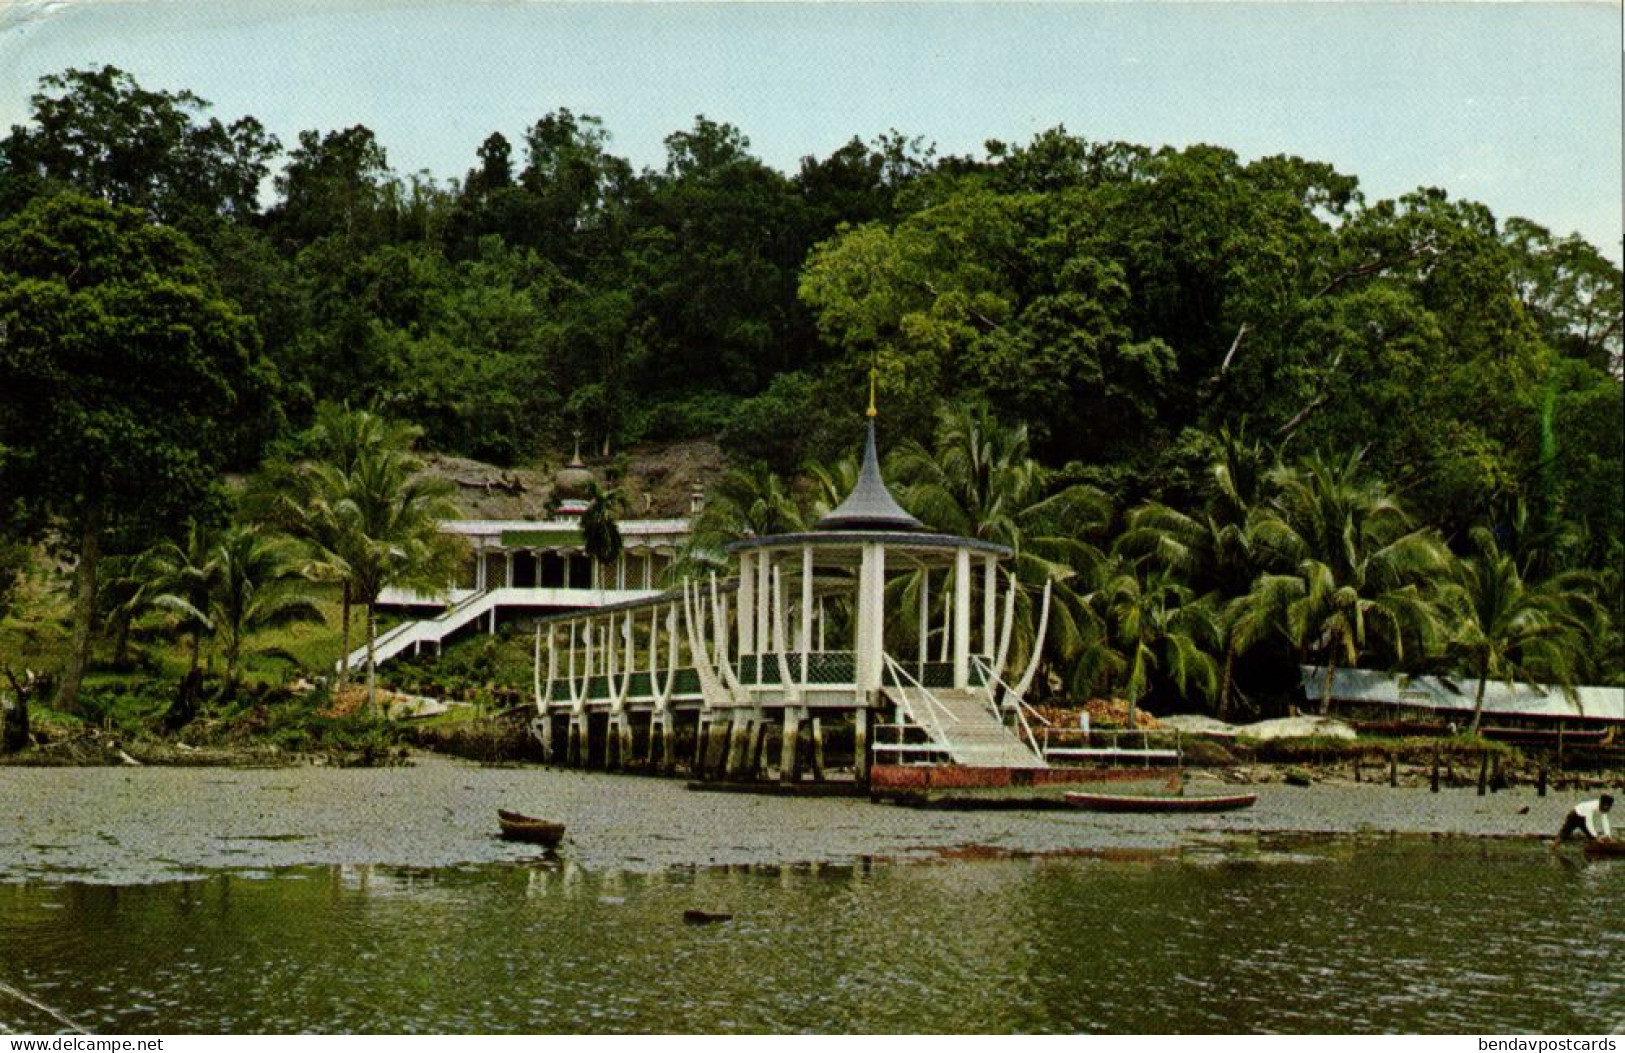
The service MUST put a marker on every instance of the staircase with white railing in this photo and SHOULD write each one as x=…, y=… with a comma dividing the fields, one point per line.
x=419, y=631
x=962, y=724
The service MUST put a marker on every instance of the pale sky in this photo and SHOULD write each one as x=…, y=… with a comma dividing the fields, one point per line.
x=1517, y=105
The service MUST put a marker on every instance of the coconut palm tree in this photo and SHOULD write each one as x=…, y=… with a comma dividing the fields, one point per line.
x=300, y=495
x=1348, y=571
x=257, y=585
x=978, y=480
x=178, y=579
x=1211, y=550
x=1154, y=626
x=381, y=519
x=749, y=501
x=1507, y=628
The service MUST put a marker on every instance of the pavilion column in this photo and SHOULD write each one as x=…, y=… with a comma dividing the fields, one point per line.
x=747, y=603
x=764, y=594
x=925, y=617
x=507, y=569
x=990, y=590
x=804, y=637
x=871, y=619
x=962, y=619
x=479, y=568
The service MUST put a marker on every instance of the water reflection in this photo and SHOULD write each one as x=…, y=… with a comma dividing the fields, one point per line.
x=1342, y=935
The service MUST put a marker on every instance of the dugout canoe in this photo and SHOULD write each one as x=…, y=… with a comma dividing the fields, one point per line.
x=1124, y=802
x=519, y=827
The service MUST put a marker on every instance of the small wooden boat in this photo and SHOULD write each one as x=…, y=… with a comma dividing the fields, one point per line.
x=518, y=827
x=1605, y=850
x=1124, y=802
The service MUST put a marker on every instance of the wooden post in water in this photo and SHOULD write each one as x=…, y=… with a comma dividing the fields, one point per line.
x=1497, y=779
x=1393, y=768
x=737, y=746
x=1483, y=771
x=788, y=769
x=1434, y=783
x=818, y=749
x=860, y=744
x=1540, y=786
x=702, y=734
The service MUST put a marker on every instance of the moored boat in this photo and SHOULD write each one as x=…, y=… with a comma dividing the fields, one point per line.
x=519, y=827
x=1124, y=802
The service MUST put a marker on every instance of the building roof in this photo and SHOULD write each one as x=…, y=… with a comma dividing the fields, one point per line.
x=870, y=506
x=1543, y=701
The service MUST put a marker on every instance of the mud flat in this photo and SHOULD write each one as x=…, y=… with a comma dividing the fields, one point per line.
x=128, y=825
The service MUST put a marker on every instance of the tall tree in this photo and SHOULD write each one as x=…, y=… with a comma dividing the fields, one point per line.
x=1348, y=571
x=1507, y=628
x=100, y=132
x=303, y=494
x=979, y=480
x=122, y=380
x=1154, y=627
x=385, y=517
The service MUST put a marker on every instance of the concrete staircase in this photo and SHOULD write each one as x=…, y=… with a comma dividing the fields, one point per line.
x=965, y=726
x=418, y=631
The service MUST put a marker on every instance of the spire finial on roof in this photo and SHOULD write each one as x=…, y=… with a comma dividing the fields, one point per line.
x=873, y=375
x=870, y=506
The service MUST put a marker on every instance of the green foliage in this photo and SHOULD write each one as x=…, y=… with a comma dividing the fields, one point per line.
x=1200, y=340
x=99, y=132
x=124, y=379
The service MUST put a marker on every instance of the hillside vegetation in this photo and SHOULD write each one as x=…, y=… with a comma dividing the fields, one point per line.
x=1238, y=414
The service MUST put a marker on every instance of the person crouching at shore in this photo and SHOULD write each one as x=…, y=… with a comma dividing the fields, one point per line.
x=1590, y=818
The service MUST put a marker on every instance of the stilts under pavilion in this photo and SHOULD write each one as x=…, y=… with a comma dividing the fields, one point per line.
x=802, y=656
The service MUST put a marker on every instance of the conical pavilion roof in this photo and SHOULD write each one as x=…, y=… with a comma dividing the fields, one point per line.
x=870, y=506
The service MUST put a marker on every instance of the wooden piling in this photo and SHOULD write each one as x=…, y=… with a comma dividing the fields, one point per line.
x=860, y=744
x=818, y=749
x=1540, y=785
x=737, y=745
x=788, y=770
x=716, y=747
x=627, y=757
x=1393, y=768
x=1498, y=780
x=1433, y=784
x=1483, y=771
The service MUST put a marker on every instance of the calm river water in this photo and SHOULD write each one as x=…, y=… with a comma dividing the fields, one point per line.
x=1373, y=934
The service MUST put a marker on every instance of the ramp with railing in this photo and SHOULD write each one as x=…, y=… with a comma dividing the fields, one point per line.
x=961, y=726
x=418, y=631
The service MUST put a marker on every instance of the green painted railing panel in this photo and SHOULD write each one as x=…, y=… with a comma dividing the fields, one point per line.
x=542, y=538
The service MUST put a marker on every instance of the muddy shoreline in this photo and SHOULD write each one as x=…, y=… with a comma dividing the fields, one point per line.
x=142, y=824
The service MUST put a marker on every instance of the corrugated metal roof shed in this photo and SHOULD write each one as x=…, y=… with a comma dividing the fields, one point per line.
x=1541, y=701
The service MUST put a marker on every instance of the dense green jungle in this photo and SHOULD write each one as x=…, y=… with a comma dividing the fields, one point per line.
x=1240, y=417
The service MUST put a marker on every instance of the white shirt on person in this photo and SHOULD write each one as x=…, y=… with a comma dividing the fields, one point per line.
x=1596, y=819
